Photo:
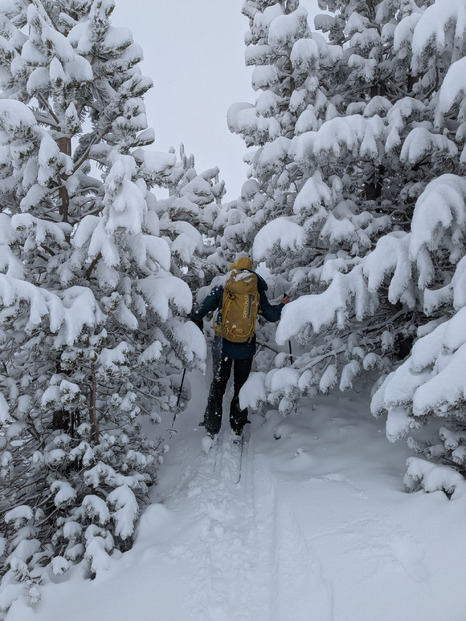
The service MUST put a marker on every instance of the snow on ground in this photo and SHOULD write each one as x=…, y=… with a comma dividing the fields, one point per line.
x=318, y=528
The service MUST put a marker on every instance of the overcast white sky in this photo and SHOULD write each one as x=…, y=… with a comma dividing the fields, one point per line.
x=194, y=53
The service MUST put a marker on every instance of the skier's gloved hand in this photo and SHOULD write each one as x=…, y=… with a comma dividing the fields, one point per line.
x=285, y=299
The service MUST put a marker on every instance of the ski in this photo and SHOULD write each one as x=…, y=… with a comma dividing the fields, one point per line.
x=214, y=448
x=240, y=442
x=219, y=448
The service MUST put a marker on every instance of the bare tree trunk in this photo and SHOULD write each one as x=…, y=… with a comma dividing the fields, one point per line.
x=373, y=186
x=93, y=408
x=64, y=144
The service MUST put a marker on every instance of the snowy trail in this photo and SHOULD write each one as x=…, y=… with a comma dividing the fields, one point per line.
x=226, y=520
x=318, y=529
x=254, y=559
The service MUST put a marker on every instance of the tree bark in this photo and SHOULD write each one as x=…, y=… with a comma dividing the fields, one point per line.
x=93, y=408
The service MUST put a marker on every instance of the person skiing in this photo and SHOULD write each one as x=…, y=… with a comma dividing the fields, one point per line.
x=237, y=305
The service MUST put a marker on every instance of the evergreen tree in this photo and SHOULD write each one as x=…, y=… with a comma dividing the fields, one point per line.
x=304, y=182
x=279, y=48
x=391, y=140
x=190, y=220
x=424, y=397
x=92, y=322
x=286, y=56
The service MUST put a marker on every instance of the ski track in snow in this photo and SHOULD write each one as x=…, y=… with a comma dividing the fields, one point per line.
x=255, y=562
x=263, y=556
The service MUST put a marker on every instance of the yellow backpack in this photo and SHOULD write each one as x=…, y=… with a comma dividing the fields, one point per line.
x=239, y=307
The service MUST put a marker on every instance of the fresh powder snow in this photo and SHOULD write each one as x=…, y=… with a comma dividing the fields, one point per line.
x=319, y=527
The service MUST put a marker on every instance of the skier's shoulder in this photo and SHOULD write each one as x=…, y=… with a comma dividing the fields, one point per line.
x=261, y=284
x=216, y=287
x=215, y=295
x=216, y=290
x=209, y=298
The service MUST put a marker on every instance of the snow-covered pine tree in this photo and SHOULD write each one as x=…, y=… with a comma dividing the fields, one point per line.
x=190, y=221
x=286, y=57
x=425, y=397
x=360, y=187
x=283, y=55
x=362, y=167
x=92, y=329
x=302, y=205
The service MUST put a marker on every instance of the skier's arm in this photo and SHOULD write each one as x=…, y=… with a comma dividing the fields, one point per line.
x=269, y=311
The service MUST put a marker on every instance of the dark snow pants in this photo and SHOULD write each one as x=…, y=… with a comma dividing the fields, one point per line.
x=213, y=414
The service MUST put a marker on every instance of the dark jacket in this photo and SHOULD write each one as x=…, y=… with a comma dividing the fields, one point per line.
x=237, y=351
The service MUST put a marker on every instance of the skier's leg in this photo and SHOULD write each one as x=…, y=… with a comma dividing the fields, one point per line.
x=239, y=417
x=213, y=413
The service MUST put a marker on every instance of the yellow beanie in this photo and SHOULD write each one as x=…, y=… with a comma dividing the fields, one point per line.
x=243, y=263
